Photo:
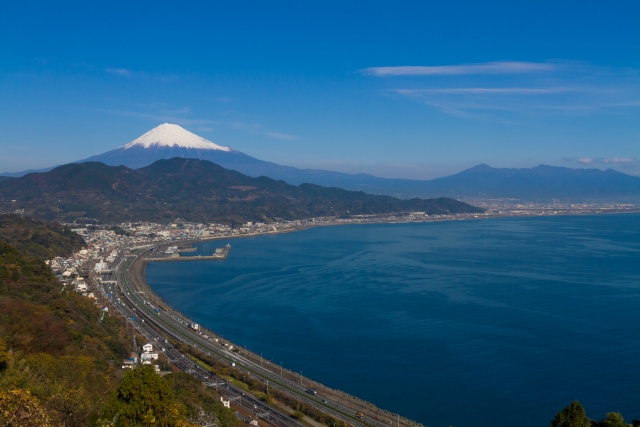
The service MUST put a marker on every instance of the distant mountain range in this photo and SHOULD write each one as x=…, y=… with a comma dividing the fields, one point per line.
x=539, y=183
x=196, y=190
x=480, y=182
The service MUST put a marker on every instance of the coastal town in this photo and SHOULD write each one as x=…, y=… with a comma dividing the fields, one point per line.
x=104, y=241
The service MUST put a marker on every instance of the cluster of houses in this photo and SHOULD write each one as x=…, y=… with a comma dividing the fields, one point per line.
x=147, y=357
x=66, y=268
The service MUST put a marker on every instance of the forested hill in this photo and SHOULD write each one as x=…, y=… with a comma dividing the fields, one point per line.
x=60, y=356
x=54, y=352
x=196, y=190
x=39, y=239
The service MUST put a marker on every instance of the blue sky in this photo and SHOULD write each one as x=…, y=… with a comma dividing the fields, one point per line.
x=405, y=89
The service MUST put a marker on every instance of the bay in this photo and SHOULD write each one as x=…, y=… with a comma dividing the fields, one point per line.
x=462, y=323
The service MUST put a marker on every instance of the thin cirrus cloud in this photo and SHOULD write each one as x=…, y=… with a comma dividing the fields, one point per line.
x=124, y=72
x=500, y=67
x=508, y=90
x=119, y=71
x=488, y=90
x=259, y=129
x=160, y=117
x=605, y=161
x=284, y=136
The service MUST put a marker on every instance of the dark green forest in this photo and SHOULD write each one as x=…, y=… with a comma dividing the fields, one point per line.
x=575, y=415
x=195, y=190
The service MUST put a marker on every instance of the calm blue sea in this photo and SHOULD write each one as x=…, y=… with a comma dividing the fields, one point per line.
x=497, y=322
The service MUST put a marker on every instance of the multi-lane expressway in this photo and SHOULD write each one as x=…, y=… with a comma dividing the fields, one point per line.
x=141, y=314
x=120, y=297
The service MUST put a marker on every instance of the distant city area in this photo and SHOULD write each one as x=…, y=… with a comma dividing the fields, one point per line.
x=517, y=207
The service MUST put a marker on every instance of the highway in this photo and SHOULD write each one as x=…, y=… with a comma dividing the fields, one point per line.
x=133, y=305
x=120, y=298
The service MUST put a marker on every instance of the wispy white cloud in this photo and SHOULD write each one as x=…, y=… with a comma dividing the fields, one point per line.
x=488, y=90
x=586, y=161
x=159, y=117
x=119, y=71
x=179, y=110
x=620, y=161
x=258, y=129
x=507, y=91
x=500, y=67
x=284, y=136
x=252, y=127
x=164, y=78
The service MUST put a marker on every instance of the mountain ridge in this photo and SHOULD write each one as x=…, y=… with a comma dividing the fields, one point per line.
x=191, y=189
x=540, y=183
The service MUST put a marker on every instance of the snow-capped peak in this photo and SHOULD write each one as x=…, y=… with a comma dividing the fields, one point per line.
x=168, y=135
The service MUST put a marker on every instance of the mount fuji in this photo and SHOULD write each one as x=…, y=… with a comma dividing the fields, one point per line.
x=165, y=142
x=540, y=183
x=169, y=140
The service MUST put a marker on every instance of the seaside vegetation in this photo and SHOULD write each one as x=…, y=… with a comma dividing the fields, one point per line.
x=575, y=415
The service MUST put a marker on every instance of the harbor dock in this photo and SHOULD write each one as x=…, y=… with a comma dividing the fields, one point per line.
x=220, y=253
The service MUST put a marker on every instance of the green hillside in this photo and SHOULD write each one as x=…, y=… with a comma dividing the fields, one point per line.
x=52, y=346
x=35, y=238
x=60, y=363
x=195, y=190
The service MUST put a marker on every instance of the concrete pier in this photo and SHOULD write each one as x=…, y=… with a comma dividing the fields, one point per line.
x=220, y=253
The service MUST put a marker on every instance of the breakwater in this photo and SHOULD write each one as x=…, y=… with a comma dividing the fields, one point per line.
x=220, y=253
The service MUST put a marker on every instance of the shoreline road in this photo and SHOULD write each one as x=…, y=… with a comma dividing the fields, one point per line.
x=157, y=326
x=135, y=316
x=134, y=305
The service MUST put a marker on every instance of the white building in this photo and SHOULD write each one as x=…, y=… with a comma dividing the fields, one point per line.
x=101, y=266
x=225, y=403
x=148, y=347
x=171, y=250
x=148, y=355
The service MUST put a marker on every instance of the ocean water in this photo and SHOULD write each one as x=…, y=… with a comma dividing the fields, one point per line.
x=498, y=322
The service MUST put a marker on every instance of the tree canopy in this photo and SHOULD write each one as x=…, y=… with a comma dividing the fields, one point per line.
x=573, y=415
x=613, y=419
x=143, y=399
